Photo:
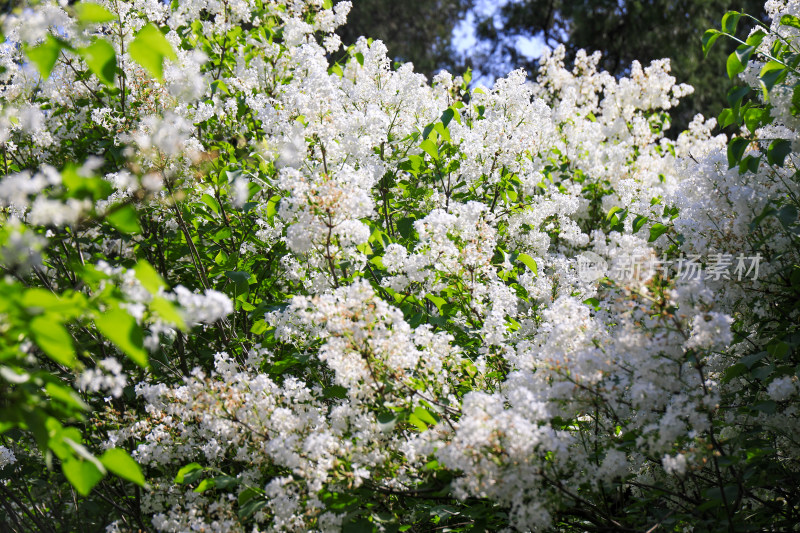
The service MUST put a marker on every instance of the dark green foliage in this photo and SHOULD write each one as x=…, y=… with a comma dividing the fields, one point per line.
x=624, y=31
x=413, y=30
x=420, y=31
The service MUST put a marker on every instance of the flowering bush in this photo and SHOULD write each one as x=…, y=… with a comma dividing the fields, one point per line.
x=255, y=280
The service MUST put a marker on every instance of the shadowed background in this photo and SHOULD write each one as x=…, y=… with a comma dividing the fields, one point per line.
x=493, y=37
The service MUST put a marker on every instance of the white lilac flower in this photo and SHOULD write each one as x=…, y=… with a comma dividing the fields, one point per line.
x=7, y=457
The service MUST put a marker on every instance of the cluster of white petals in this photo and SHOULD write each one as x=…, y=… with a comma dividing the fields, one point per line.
x=433, y=314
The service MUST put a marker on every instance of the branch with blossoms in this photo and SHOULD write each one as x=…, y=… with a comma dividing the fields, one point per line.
x=247, y=287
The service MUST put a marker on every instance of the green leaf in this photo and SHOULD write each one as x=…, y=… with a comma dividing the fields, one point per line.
x=425, y=415
x=248, y=494
x=787, y=215
x=148, y=277
x=437, y=301
x=37, y=301
x=125, y=219
x=790, y=20
x=734, y=372
x=593, y=302
x=735, y=97
x=335, y=391
x=613, y=211
x=737, y=61
x=71, y=438
x=211, y=202
x=219, y=86
x=91, y=13
x=762, y=373
x=188, y=469
x=250, y=508
x=37, y=298
x=272, y=207
x=120, y=463
x=795, y=109
x=149, y=49
x=772, y=73
x=442, y=130
x=225, y=482
x=656, y=231
x=54, y=339
x=36, y=423
x=767, y=406
x=750, y=360
x=777, y=151
x=387, y=421
x=412, y=164
x=709, y=37
x=168, y=311
x=83, y=475
x=447, y=116
x=417, y=422
x=121, y=328
x=638, y=222
x=101, y=60
x=336, y=69
x=756, y=117
x=530, y=262
x=736, y=149
x=205, y=485
x=361, y=525
x=771, y=66
x=241, y=281
x=430, y=148
x=81, y=187
x=729, y=21
x=756, y=38
x=726, y=118
x=45, y=55
x=406, y=227
x=221, y=258
x=65, y=395
x=749, y=164
x=778, y=348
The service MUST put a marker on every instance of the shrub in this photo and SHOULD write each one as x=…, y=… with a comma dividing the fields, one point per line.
x=254, y=280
